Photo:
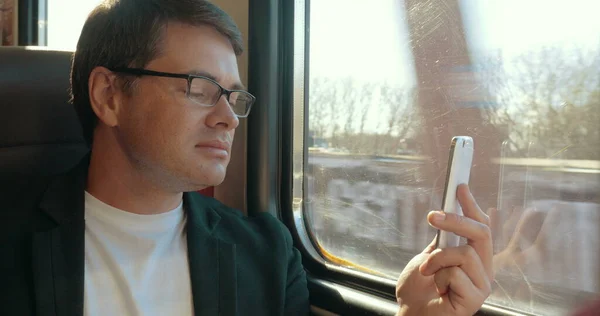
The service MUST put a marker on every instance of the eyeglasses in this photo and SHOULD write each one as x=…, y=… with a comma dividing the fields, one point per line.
x=202, y=90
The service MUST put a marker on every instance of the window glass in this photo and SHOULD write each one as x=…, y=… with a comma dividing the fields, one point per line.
x=392, y=81
x=65, y=21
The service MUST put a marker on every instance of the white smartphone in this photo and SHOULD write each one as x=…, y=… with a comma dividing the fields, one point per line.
x=459, y=171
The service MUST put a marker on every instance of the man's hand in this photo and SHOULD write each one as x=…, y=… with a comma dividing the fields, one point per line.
x=451, y=281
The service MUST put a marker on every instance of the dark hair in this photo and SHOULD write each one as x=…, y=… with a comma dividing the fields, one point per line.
x=127, y=33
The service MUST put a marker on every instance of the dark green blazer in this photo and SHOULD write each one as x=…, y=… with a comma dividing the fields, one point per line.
x=238, y=265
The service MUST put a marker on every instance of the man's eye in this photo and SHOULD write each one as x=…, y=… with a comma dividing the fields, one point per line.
x=197, y=94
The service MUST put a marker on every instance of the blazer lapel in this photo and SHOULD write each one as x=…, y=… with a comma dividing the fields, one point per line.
x=212, y=261
x=58, y=253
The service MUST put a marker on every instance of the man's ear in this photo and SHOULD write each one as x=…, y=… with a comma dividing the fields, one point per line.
x=105, y=95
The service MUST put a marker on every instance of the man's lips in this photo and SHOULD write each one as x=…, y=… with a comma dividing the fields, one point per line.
x=216, y=145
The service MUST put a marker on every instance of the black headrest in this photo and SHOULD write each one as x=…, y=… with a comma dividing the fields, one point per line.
x=39, y=130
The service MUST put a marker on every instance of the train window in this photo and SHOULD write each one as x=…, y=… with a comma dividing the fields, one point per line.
x=65, y=19
x=390, y=82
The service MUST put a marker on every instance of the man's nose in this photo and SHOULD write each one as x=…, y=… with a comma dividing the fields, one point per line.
x=223, y=115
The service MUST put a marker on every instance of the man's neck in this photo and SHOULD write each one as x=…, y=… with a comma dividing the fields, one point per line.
x=117, y=183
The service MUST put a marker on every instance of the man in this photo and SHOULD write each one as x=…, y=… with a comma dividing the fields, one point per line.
x=156, y=87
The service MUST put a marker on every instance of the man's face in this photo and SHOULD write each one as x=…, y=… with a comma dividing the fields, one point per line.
x=168, y=137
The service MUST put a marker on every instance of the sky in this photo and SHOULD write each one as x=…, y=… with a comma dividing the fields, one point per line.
x=363, y=39
x=518, y=25
x=369, y=39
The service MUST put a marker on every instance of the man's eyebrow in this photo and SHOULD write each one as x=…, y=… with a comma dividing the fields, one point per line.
x=235, y=86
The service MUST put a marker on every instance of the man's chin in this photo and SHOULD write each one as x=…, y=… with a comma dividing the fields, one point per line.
x=209, y=180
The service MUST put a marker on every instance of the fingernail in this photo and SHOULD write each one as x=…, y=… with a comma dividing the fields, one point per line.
x=438, y=217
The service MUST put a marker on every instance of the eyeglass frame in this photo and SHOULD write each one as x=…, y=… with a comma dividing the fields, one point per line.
x=189, y=78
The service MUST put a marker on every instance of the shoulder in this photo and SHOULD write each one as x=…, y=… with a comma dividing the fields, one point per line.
x=235, y=227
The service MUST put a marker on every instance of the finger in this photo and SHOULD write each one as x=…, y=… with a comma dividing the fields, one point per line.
x=495, y=224
x=551, y=223
x=461, y=291
x=460, y=225
x=529, y=228
x=511, y=224
x=463, y=257
x=455, y=279
x=512, y=233
x=471, y=209
x=478, y=234
x=494, y=215
x=469, y=205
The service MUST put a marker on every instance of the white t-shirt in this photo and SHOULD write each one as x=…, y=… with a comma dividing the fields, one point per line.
x=135, y=264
